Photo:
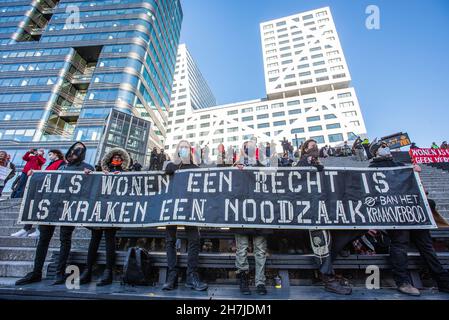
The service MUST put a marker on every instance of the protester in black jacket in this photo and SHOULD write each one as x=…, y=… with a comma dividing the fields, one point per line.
x=400, y=239
x=75, y=162
x=326, y=245
x=183, y=159
x=114, y=161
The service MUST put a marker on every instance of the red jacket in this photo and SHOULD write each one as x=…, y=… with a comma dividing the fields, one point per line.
x=33, y=162
x=55, y=165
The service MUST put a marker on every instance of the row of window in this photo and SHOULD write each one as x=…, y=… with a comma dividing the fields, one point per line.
x=22, y=135
x=15, y=115
x=24, y=97
x=31, y=66
x=34, y=53
x=21, y=82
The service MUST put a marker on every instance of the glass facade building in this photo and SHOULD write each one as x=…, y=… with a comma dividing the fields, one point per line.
x=64, y=65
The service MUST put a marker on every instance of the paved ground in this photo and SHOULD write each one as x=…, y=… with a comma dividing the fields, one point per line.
x=44, y=290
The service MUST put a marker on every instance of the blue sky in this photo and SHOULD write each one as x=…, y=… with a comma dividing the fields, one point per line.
x=400, y=72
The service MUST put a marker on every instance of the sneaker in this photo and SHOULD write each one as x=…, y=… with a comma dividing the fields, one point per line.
x=20, y=234
x=35, y=234
x=407, y=288
x=261, y=289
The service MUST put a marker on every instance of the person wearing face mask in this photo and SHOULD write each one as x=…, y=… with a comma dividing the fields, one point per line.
x=400, y=239
x=326, y=245
x=5, y=162
x=247, y=158
x=183, y=159
x=34, y=161
x=114, y=161
x=56, y=160
x=74, y=162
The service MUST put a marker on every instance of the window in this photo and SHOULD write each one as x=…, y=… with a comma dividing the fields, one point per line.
x=232, y=112
x=261, y=108
x=205, y=125
x=318, y=139
x=309, y=100
x=245, y=110
x=344, y=95
x=315, y=128
x=314, y=118
x=330, y=116
x=263, y=125
x=248, y=118
x=279, y=114
x=262, y=116
x=293, y=103
x=277, y=105
x=350, y=114
x=346, y=104
x=294, y=111
x=234, y=129
x=335, y=137
x=297, y=130
x=206, y=116
x=279, y=123
x=333, y=126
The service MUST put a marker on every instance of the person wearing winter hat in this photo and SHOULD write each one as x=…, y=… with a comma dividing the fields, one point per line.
x=114, y=161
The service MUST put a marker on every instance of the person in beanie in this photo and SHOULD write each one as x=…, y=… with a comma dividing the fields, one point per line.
x=183, y=159
x=75, y=162
x=5, y=162
x=326, y=245
x=56, y=160
x=400, y=239
x=114, y=161
x=34, y=161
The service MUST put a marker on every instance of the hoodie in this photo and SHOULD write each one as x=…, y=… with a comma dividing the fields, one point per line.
x=79, y=149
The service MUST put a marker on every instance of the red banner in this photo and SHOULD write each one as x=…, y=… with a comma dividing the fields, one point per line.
x=419, y=155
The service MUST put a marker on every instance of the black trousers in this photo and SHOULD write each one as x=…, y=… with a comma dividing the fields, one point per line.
x=20, y=189
x=42, y=248
x=400, y=240
x=193, y=249
x=94, y=243
x=338, y=240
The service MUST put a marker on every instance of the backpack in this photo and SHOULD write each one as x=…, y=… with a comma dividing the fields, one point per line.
x=136, y=270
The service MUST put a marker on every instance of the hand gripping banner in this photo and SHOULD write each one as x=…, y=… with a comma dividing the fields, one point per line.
x=273, y=198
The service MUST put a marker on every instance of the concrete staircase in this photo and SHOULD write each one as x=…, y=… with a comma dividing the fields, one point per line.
x=17, y=254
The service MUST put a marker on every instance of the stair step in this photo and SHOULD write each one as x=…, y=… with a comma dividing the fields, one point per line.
x=19, y=254
x=78, y=233
x=7, y=241
x=18, y=268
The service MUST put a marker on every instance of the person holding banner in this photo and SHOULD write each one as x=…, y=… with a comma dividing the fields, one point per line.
x=75, y=162
x=183, y=159
x=7, y=170
x=326, y=245
x=400, y=239
x=114, y=161
x=247, y=158
x=57, y=160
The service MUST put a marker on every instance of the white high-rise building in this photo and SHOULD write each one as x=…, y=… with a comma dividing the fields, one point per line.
x=308, y=92
x=190, y=92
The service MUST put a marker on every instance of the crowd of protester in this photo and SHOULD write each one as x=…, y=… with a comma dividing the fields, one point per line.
x=325, y=245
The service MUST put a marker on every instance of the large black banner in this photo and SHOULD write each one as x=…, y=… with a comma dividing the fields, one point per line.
x=276, y=198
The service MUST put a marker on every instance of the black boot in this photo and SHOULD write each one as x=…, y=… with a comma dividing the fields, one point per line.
x=244, y=283
x=443, y=286
x=59, y=279
x=107, y=278
x=86, y=276
x=172, y=281
x=193, y=282
x=29, y=278
x=335, y=285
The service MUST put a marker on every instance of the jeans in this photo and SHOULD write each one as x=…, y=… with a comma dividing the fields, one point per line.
x=193, y=249
x=44, y=242
x=338, y=240
x=400, y=240
x=260, y=255
x=94, y=243
x=20, y=189
x=360, y=154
